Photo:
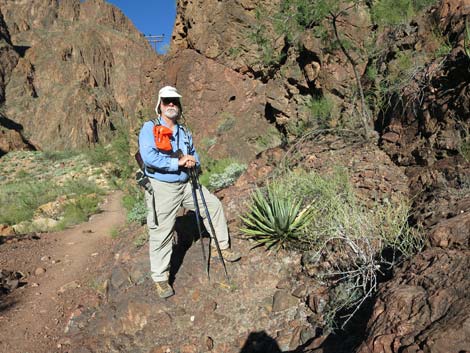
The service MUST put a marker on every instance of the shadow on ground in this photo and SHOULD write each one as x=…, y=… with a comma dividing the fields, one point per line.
x=187, y=234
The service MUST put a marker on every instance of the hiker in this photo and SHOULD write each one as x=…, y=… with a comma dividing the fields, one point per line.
x=167, y=150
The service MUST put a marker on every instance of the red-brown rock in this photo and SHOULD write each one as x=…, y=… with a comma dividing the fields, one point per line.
x=425, y=308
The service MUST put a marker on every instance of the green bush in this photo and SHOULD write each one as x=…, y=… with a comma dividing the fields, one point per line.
x=141, y=239
x=79, y=210
x=318, y=110
x=212, y=166
x=260, y=35
x=98, y=155
x=228, y=122
x=134, y=202
x=138, y=213
x=296, y=16
x=56, y=156
x=389, y=86
x=229, y=175
x=80, y=186
x=464, y=142
x=395, y=12
x=117, y=153
x=19, y=200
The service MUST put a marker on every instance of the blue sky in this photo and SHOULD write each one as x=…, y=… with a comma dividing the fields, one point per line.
x=150, y=16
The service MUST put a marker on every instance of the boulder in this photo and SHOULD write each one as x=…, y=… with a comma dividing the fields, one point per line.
x=424, y=308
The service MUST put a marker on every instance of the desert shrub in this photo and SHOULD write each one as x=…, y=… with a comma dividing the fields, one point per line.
x=296, y=16
x=140, y=239
x=22, y=174
x=353, y=260
x=288, y=23
x=464, y=141
x=134, y=203
x=343, y=238
x=120, y=148
x=402, y=72
x=56, y=156
x=116, y=154
x=138, y=211
x=444, y=47
x=318, y=111
x=98, y=155
x=78, y=210
x=260, y=35
x=395, y=12
x=208, y=142
x=79, y=186
x=227, y=123
x=19, y=200
x=212, y=167
x=227, y=177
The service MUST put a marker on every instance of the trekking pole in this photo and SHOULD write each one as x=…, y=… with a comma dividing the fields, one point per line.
x=195, y=182
x=198, y=221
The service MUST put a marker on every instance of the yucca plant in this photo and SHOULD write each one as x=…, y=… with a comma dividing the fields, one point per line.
x=275, y=219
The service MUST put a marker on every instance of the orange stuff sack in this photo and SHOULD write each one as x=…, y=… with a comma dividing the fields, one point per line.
x=162, y=136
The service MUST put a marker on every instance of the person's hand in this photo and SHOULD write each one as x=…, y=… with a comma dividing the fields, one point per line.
x=187, y=161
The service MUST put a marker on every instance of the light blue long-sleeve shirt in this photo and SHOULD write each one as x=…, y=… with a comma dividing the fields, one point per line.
x=166, y=166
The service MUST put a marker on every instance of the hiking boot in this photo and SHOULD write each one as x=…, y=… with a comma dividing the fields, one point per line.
x=164, y=289
x=228, y=254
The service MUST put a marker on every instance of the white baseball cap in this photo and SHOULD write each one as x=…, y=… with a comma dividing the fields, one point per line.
x=167, y=92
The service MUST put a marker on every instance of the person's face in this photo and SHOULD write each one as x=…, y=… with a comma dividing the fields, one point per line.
x=170, y=107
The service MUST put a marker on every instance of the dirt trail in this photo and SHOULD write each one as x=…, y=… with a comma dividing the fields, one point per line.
x=34, y=317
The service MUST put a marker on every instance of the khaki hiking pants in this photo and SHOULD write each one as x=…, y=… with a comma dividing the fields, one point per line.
x=168, y=198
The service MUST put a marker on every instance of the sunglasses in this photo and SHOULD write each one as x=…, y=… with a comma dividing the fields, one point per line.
x=167, y=101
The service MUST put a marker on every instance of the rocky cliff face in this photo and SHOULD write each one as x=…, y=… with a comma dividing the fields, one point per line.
x=78, y=75
x=10, y=133
x=8, y=57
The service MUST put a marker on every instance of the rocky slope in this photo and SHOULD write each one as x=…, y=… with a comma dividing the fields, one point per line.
x=78, y=68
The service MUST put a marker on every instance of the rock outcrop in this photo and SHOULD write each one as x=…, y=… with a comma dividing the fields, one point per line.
x=425, y=307
x=8, y=57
